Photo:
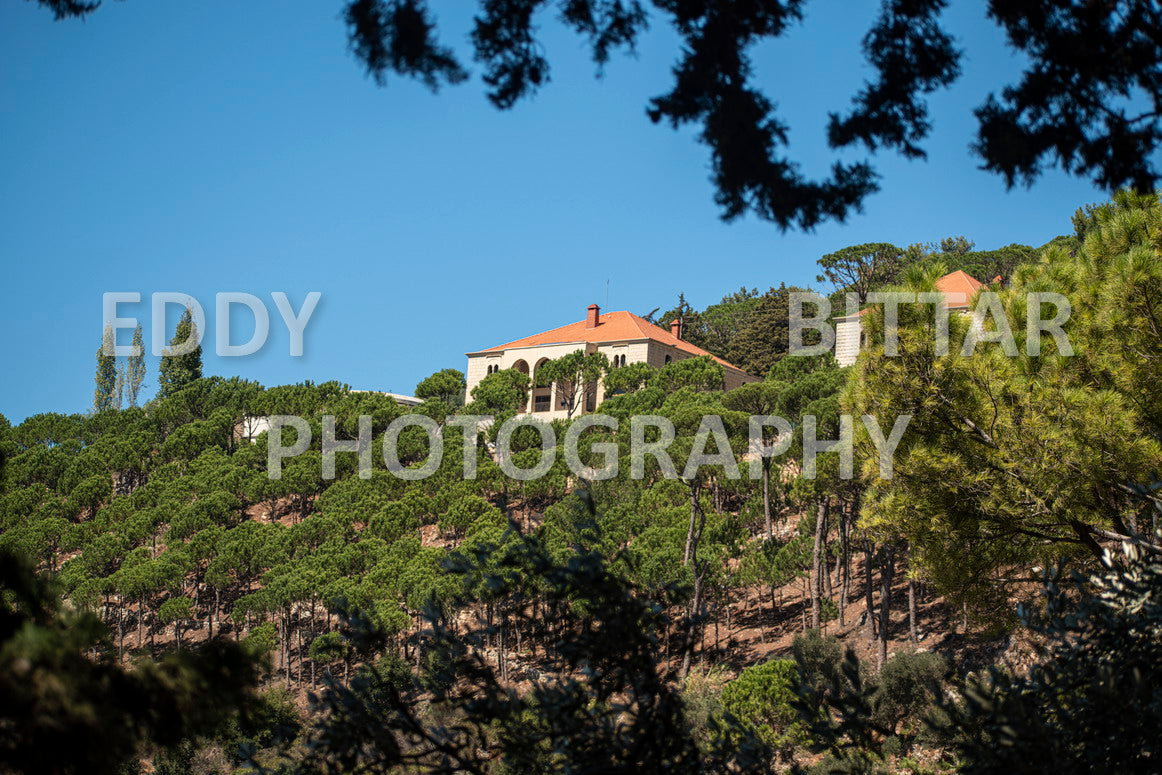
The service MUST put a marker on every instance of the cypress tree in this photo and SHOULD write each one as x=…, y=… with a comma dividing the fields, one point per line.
x=765, y=338
x=135, y=368
x=106, y=378
x=179, y=370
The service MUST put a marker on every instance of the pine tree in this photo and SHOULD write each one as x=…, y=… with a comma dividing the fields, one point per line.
x=135, y=368
x=106, y=377
x=765, y=338
x=179, y=370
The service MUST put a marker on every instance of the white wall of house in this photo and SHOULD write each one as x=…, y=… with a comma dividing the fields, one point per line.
x=847, y=340
x=544, y=402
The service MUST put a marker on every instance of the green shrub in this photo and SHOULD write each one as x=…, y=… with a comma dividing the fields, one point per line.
x=817, y=657
x=702, y=695
x=328, y=647
x=761, y=697
x=906, y=687
x=261, y=640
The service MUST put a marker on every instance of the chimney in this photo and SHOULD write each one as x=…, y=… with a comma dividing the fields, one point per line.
x=676, y=328
x=593, y=319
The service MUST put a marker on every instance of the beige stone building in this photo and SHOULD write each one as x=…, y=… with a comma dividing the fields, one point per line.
x=958, y=288
x=623, y=338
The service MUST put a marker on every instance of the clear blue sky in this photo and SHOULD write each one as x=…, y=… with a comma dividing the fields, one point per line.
x=226, y=146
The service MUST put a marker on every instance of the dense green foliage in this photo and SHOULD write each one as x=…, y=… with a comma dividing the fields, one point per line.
x=68, y=711
x=105, y=394
x=596, y=703
x=762, y=697
x=1020, y=460
x=446, y=385
x=181, y=363
x=1093, y=702
x=488, y=623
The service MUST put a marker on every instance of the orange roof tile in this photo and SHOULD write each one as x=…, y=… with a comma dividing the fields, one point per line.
x=614, y=327
x=958, y=288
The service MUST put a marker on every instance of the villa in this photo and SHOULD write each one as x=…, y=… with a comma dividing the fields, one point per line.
x=623, y=337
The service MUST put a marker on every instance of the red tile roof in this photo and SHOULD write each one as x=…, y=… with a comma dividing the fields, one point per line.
x=618, y=326
x=958, y=288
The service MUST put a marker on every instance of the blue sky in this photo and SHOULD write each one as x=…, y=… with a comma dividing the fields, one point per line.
x=224, y=146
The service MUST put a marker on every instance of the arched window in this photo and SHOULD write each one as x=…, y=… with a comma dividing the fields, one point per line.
x=543, y=395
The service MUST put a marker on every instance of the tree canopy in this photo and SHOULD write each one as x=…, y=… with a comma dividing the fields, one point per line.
x=1020, y=458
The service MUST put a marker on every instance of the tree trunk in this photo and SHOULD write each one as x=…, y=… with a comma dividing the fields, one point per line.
x=695, y=609
x=299, y=652
x=868, y=599
x=912, y=610
x=693, y=538
x=844, y=564
x=767, y=521
x=887, y=570
x=286, y=645
x=690, y=540
x=803, y=608
x=818, y=564
x=500, y=654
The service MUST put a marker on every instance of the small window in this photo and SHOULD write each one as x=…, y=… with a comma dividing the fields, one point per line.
x=668, y=359
x=542, y=403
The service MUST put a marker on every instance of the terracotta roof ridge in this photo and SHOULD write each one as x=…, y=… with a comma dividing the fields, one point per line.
x=530, y=336
x=624, y=323
x=637, y=322
x=958, y=273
